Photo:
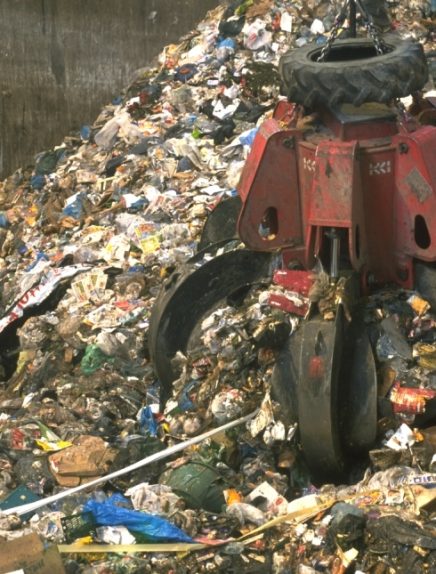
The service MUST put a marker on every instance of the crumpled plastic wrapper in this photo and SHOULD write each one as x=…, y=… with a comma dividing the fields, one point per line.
x=153, y=498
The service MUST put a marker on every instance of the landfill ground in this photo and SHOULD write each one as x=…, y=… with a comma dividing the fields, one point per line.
x=88, y=236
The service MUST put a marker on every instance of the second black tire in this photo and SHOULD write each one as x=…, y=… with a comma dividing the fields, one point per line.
x=353, y=72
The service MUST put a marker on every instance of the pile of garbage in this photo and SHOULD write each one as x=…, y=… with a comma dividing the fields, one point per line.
x=95, y=475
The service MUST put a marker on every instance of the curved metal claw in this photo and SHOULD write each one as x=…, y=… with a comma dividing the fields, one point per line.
x=318, y=394
x=326, y=380
x=189, y=294
x=221, y=223
x=359, y=405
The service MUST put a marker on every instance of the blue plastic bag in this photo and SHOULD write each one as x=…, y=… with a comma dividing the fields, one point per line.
x=227, y=43
x=115, y=512
x=74, y=206
x=147, y=422
x=247, y=138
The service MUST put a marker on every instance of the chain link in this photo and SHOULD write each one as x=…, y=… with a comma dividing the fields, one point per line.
x=380, y=46
x=340, y=19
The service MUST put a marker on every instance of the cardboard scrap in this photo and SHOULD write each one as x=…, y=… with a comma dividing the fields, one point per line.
x=28, y=555
x=88, y=457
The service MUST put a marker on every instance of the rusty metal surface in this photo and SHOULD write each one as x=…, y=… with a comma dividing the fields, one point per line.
x=269, y=185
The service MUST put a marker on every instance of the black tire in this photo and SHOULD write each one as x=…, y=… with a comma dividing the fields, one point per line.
x=353, y=73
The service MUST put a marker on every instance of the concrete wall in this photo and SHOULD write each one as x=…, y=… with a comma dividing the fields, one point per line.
x=62, y=60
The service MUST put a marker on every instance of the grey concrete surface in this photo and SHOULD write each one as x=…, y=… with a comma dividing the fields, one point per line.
x=62, y=60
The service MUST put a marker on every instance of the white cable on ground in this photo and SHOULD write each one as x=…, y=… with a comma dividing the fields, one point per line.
x=32, y=506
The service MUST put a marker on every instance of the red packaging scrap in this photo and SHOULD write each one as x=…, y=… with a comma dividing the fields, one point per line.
x=297, y=285
x=289, y=304
x=410, y=400
x=293, y=280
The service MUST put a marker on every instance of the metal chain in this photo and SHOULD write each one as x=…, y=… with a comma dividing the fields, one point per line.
x=380, y=46
x=340, y=19
x=403, y=114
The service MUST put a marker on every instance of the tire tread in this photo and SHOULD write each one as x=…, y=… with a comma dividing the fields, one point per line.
x=381, y=79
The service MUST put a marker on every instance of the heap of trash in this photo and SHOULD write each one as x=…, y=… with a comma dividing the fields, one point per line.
x=95, y=475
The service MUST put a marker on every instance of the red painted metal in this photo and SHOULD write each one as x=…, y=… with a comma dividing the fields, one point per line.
x=360, y=171
x=286, y=113
x=270, y=216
